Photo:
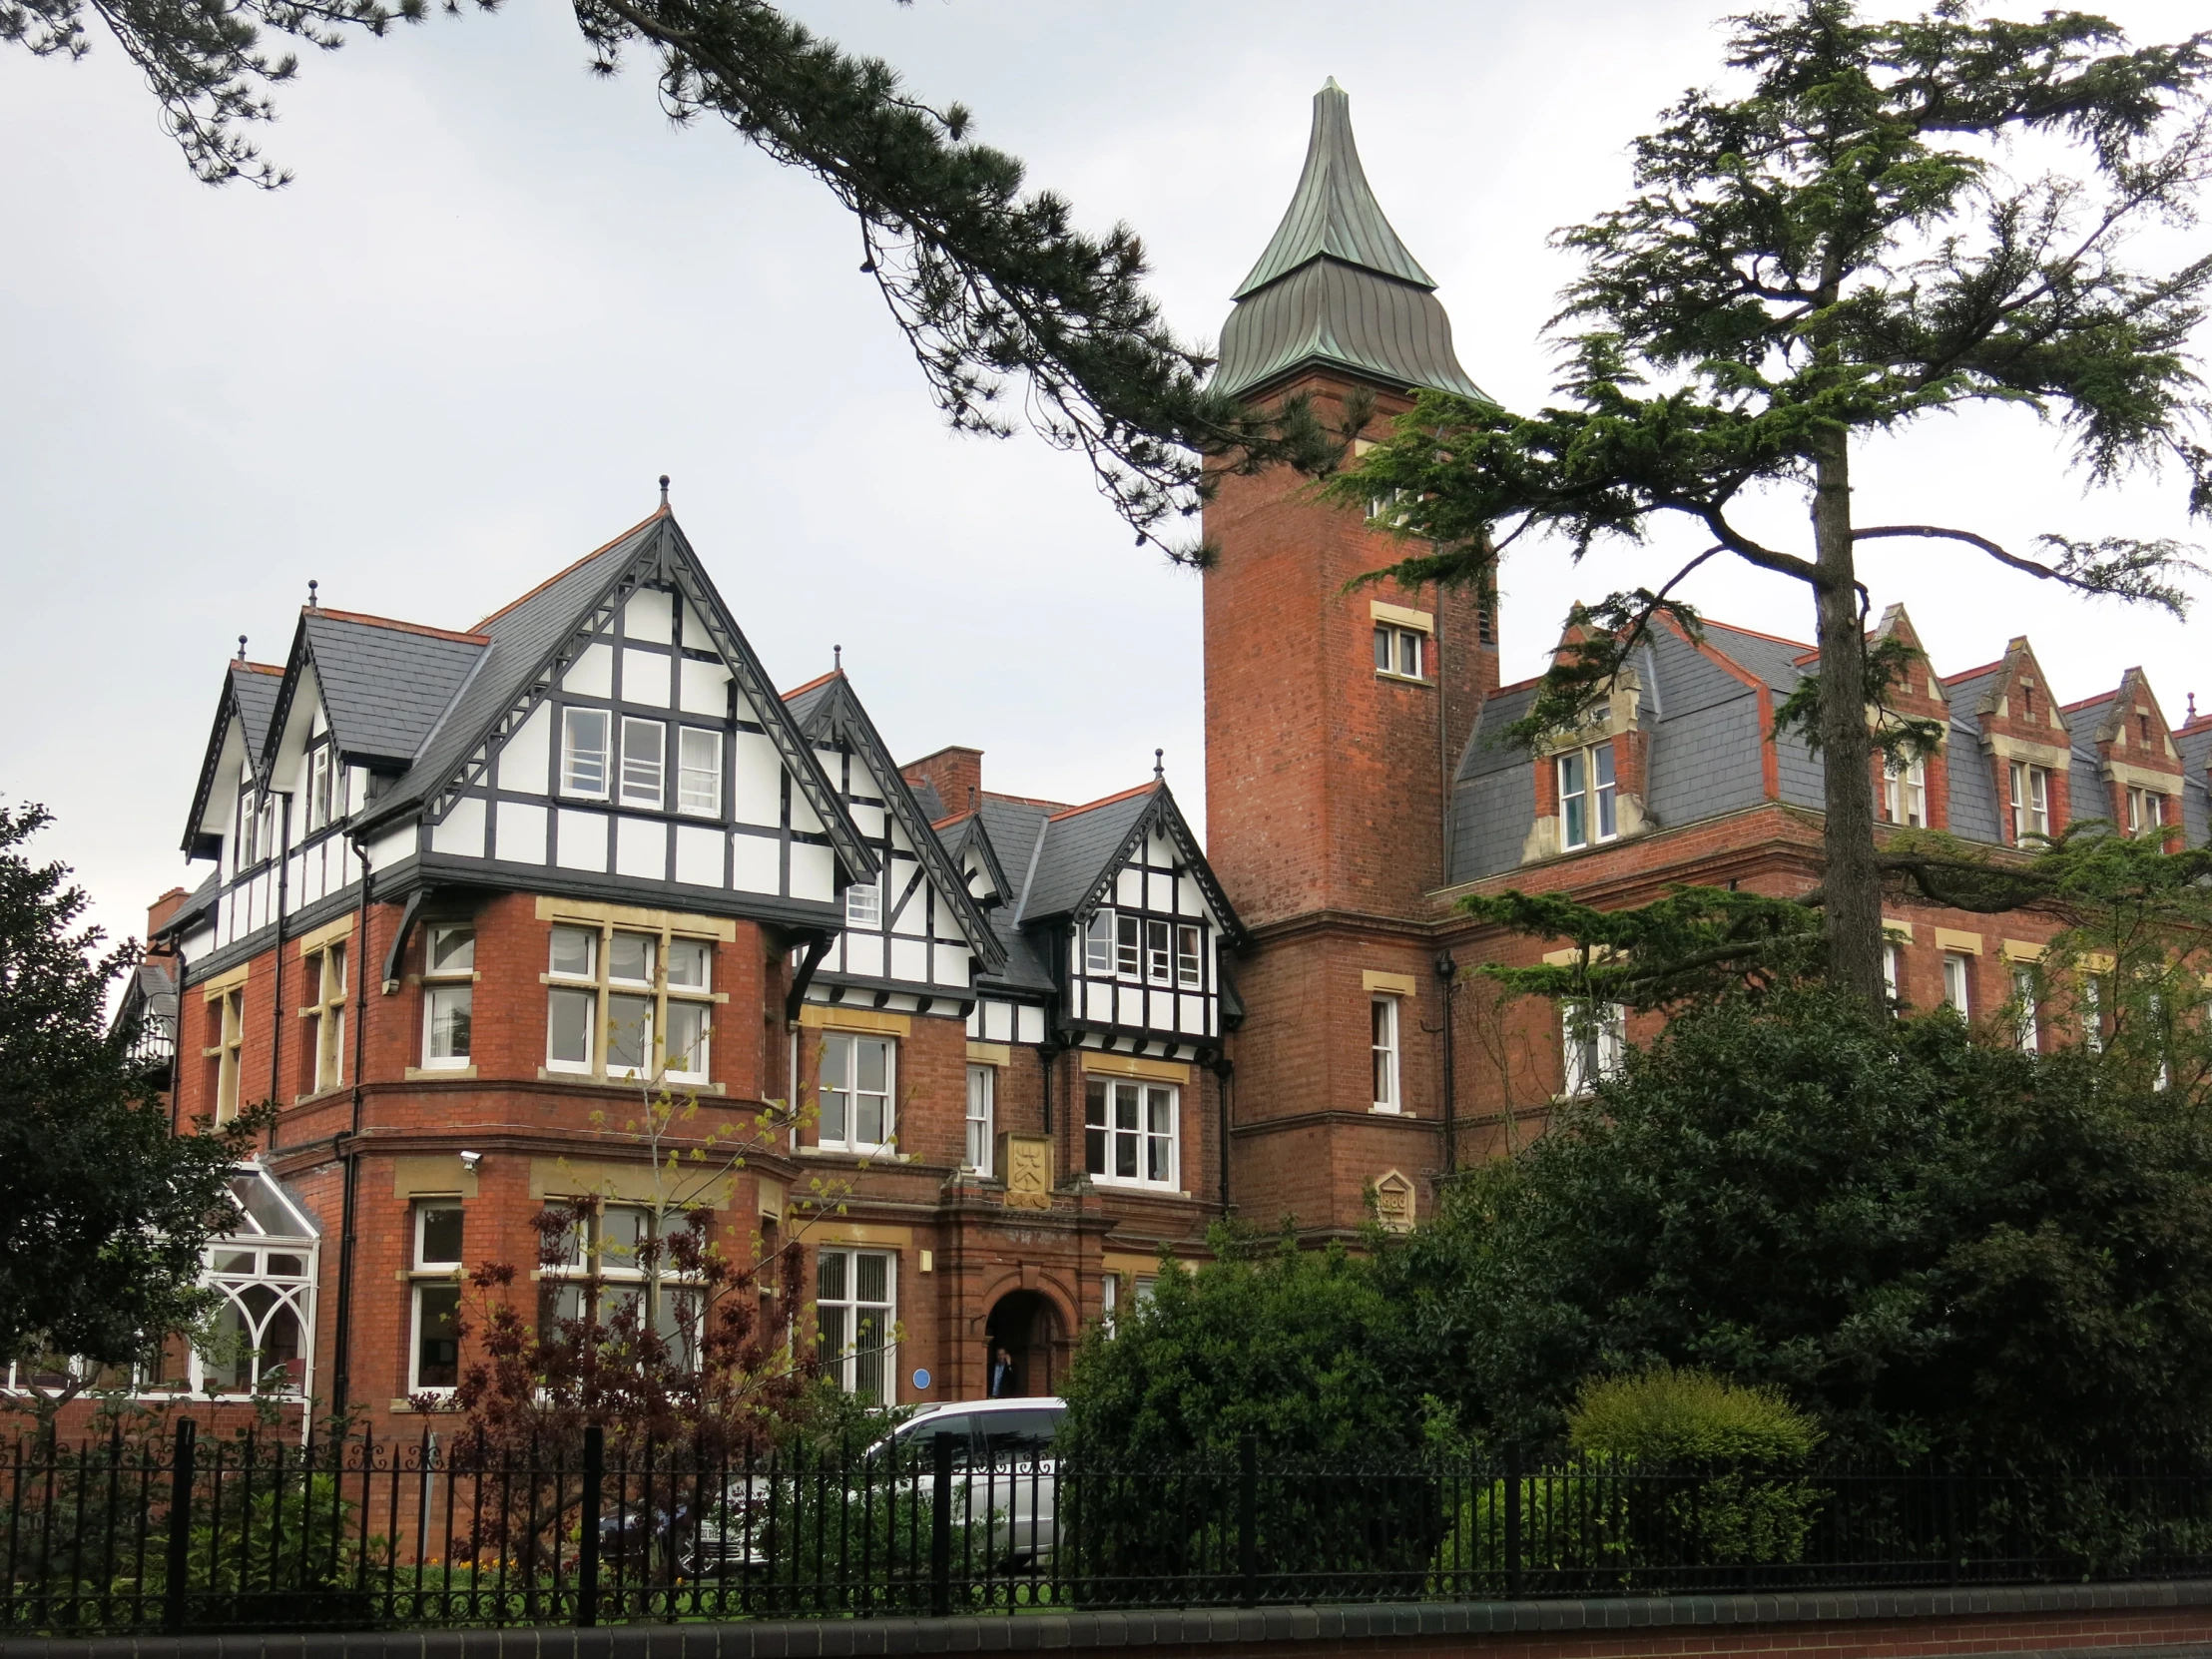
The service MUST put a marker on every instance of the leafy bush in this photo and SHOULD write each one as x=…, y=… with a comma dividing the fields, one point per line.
x=1664, y=1415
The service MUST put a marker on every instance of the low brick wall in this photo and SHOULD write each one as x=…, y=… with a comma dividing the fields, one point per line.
x=2149, y=1621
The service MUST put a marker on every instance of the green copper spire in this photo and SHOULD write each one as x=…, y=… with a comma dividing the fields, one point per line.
x=1335, y=287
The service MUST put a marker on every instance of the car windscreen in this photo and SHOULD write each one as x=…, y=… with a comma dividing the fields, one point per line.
x=917, y=1438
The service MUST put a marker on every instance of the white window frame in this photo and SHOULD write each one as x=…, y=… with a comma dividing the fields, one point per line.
x=266, y=1225
x=848, y=1043
x=1098, y=944
x=1383, y=1014
x=319, y=759
x=559, y=981
x=424, y=1290
x=1109, y=1302
x=573, y=754
x=643, y=775
x=1904, y=793
x=1893, y=969
x=981, y=1119
x=1958, y=982
x=1395, y=647
x=2092, y=1013
x=844, y=1367
x=1128, y=946
x=688, y=997
x=1599, y=796
x=2146, y=810
x=622, y=1277
x=1102, y=1140
x=864, y=904
x=1589, y=1057
x=2027, y=1029
x=2031, y=801
x=1159, y=952
x=699, y=772
x=452, y=987
x=1190, y=965
x=604, y=986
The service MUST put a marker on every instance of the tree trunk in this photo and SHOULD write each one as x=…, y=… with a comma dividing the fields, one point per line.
x=1853, y=883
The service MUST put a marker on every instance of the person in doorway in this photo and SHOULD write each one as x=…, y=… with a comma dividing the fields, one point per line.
x=1002, y=1372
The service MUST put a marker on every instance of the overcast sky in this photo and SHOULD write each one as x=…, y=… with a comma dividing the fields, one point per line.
x=502, y=297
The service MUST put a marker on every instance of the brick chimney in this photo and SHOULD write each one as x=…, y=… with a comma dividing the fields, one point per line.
x=160, y=911
x=955, y=772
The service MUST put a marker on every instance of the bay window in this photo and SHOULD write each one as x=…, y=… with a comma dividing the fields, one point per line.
x=1098, y=944
x=1158, y=963
x=1129, y=1132
x=2146, y=810
x=1189, y=972
x=448, y=995
x=856, y=1320
x=859, y=1074
x=1586, y=796
x=626, y=1004
x=624, y=1249
x=225, y=1049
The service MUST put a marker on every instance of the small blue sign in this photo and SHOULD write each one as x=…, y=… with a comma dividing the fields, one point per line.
x=922, y=1379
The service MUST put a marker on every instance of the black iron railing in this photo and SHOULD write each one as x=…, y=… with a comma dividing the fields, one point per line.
x=200, y=1534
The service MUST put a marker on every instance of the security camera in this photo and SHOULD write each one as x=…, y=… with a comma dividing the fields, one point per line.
x=469, y=1161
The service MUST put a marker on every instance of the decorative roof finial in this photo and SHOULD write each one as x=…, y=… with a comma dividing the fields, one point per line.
x=312, y=585
x=663, y=490
x=2192, y=704
x=241, y=648
x=836, y=659
x=1159, y=766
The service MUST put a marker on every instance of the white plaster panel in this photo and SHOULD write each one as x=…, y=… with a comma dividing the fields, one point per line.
x=998, y=1023
x=194, y=944
x=388, y=850
x=975, y=1021
x=909, y=959
x=954, y=965
x=864, y=953
x=646, y=617
x=803, y=816
x=695, y=630
x=521, y=833
x=1129, y=888
x=868, y=819
x=705, y=689
x=312, y=887
x=814, y=870
x=1189, y=899
x=756, y=776
x=754, y=863
x=580, y=841
x=463, y=829
x=1028, y=1023
x=1191, y=1014
x=1099, y=1001
x=698, y=856
x=645, y=678
x=592, y=674
x=525, y=759
x=641, y=848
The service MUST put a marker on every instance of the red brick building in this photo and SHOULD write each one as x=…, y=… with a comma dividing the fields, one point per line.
x=475, y=892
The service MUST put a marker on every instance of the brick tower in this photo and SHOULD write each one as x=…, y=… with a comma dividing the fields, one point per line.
x=1333, y=721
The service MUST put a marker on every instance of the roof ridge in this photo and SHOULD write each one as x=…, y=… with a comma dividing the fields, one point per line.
x=1757, y=634
x=275, y=669
x=2090, y=702
x=521, y=599
x=817, y=680
x=1023, y=799
x=1972, y=673
x=1104, y=801
x=367, y=619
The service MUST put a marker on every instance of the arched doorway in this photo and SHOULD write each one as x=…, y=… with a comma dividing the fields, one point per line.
x=1026, y=1326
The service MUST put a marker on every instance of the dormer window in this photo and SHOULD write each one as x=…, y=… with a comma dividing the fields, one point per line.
x=325, y=786
x=2146, y=810
x=644, y=763
x=1098, y=944
x=1904, y=793
x=1187, y=958
x=1588, y=813
x=2031, y=801
x=1157, y=965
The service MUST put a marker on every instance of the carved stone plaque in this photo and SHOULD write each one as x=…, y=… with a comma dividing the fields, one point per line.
x=1027, y=1163
x=1394, y=1203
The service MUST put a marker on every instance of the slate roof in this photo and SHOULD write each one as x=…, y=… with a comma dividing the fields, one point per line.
x=1336, y=285
x=249, y=693
x=1078, y=846
x=2195, y=745
x=384, y=683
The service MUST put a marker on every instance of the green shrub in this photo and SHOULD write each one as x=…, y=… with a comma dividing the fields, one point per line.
x=1687, y=1416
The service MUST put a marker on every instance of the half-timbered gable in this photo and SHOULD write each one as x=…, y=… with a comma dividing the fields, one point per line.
x=1120, y=899
x=913, y=935
x=237, y=815
x=995, y=844
x=619, y=736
